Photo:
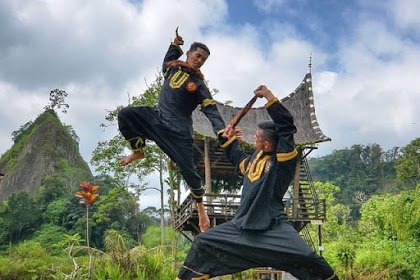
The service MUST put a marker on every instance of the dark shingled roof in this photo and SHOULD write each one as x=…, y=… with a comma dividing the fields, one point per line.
x=300, y=103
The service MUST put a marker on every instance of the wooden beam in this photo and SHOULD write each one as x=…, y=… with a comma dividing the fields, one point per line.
x=296, y=184
x=198, y=148
x=207, y=165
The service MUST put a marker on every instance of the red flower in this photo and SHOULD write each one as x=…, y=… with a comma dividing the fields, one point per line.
x=89, y=193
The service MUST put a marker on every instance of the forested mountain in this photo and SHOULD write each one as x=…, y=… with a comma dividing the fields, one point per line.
x=42, y=172
x=41, y=148
x=362, y=171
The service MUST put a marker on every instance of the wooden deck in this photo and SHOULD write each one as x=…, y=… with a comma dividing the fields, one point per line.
x=219, y=207
x=222, y=207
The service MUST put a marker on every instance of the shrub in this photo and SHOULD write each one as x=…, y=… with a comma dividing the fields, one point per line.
x=27, y=260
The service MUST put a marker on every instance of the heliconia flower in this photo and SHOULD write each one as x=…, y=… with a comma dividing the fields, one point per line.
x=89, y=193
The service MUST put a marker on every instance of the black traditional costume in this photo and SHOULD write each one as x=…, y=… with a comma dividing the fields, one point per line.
x=260, y=234
x=170, y=124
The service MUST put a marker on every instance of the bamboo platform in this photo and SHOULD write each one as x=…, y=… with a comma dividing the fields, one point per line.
x=222, y=207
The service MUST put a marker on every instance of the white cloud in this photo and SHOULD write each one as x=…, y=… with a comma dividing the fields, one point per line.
x=374, y=95
x=268, y=5
x=406, y=13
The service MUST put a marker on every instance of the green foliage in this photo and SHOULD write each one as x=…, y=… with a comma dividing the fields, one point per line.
x=113, y=272
x=136, y=263
x=56, y=212
x=229, y=184
x=72, y=132
x=392, y=217
x=360, y=172
x=117, y=210
x=73, y=175
x=115, y=206
x=152, y=237
x=68, y=240
x=408, y=164
x=106, y=183
x=21, y=136
x=153, y=264
x=116, y=247
x=20, y=216
x=48, y=237
x=17, y=134
x=4, y=233
x=327, y=191
x=52, y=187
x=346, y=254
x=385, y=243
x=107, y=154
x=388, y=260
x=28, y=260
x=338, y=222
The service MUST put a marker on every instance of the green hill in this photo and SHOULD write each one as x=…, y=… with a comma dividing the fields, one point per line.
x=44, y=148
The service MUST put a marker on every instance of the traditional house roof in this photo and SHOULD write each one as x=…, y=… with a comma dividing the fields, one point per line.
x=300, y=103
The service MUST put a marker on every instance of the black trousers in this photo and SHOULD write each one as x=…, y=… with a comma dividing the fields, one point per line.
x=137, y=124
x=225, y=249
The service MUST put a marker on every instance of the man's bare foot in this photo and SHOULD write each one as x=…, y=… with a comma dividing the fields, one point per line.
x=134, y=156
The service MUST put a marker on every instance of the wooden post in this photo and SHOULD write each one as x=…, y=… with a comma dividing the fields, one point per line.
x=207, y=165
x=207, y=174
x=320, y=247
x=296, y=186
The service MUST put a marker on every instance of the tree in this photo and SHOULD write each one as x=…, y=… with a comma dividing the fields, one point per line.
x=17, y=134
x=152, y=238
x=115, y=207
x=20, y=216
x=57, y=99
x=408, y=165
x=56, y=212
x=390, y=229
x=72, y=132
x=108, y=153
x=360, y=172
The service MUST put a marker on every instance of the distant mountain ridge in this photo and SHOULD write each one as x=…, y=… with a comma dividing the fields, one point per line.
x=44, y=148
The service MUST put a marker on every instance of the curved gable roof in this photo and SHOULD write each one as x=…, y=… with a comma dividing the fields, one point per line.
x=300, y=103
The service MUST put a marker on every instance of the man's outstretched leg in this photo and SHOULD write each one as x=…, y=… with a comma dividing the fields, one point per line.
x=135, y=124
x=136, y=155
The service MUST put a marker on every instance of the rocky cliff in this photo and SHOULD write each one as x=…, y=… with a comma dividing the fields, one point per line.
x=44, y=148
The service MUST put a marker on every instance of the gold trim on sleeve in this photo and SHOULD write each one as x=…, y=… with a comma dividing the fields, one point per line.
x=227, y=143
x=179, y=48
x=207, y=102
x=269, y=103
x=242, y=166
x=286, y=156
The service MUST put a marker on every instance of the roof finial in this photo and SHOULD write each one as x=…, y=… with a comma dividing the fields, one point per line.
x=310, y=64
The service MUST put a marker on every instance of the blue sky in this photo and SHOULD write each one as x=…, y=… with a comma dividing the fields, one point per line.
x=365, y=59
